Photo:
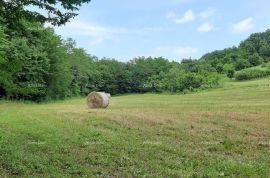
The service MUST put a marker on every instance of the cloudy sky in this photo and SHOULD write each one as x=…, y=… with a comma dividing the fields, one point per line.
x=175, y=29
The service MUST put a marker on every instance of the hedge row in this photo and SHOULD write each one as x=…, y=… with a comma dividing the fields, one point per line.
x=248, y=74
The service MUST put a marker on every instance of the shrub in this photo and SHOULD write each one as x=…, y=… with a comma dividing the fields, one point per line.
x=255, y=59
x=264, y=65
x=241, y=64
x=267, y=65
x=230, y=73
x=211, y=80
x=177, y=80
x=248, y=74
x=229, y=70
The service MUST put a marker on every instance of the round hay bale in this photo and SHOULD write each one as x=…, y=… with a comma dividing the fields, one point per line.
x=108, y=94
x=98, y=100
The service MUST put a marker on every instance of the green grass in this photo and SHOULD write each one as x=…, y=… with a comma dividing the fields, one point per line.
x=215, y=133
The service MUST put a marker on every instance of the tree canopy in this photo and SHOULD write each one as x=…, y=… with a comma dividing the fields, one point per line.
x=59, y=11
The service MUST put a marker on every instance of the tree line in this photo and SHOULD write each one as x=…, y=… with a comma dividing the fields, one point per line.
x=36, y=64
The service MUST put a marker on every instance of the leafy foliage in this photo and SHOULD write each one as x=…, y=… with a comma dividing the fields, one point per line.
x=178, y=80
x=248, y=74
x=36, y=64
x=3, y=74
x=252, y=52
x=59, y=11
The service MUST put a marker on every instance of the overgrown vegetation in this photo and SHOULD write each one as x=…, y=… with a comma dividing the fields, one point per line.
x=252, y=73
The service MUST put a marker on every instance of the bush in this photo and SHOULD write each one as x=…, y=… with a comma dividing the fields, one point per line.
x=264, y=65
x=255, y=59
x=248, y=74
x=230, y=73
x=178, y=80
x=211, y=80
x=229, y=70
x=241, y=64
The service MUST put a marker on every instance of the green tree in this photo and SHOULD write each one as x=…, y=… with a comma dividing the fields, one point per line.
x=81, y=68
x=255, y=59
x=59, y=76
x=28, y=66
x=58, y=11
x=219, y=68
x=178, y=80
x=4, y=77
x=35, y=65
x=241, y=64
x=144, y=69
x=229, y=70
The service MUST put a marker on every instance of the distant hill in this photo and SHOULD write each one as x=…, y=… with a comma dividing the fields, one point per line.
x=251, y=52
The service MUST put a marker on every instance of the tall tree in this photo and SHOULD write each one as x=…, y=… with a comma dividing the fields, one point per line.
x=3, y=74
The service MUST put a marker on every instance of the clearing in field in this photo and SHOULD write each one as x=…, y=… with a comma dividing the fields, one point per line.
x=220, y=132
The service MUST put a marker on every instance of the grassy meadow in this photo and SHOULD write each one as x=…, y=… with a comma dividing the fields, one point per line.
x=214, y=133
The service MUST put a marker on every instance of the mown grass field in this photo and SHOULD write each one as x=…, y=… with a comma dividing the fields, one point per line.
x=215, y=133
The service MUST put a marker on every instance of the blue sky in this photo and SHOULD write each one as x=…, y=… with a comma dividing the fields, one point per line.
x=174, y=29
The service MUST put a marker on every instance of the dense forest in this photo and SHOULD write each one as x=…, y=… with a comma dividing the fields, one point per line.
x=37, y=64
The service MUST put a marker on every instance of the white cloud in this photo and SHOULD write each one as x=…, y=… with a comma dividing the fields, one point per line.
x=243, y=26
x=98, y=34
x=207, y=13
x=187, y=17
x=180, y=51
x=190, y=16
x=205, y=27
x=79, y=27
